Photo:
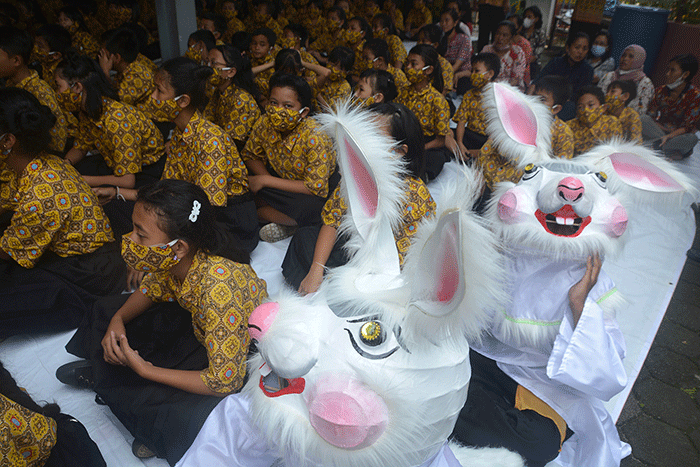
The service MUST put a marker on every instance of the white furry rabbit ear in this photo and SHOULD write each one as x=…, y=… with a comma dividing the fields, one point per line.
x=371, y=185
x=440, y=287
x=637, y=167
x=518, y=124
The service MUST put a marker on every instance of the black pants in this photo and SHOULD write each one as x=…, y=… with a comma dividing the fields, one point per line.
x=489, y=17
x=164, y=418
x=489, y=417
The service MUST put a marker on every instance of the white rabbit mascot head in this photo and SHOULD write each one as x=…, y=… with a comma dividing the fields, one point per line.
x=570, y=208
x=373, y=369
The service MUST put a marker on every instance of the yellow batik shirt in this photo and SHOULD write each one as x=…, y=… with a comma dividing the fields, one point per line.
x=262, y=80
x=418, y=205
x=334, y=91
x=562, y=139
x=47, y=96
x=125, y=137
x=400, y=79
x=603, y=129
x=48, y=70
x=471, y=112
x=55, y=209
x=235, y=111
x=85, y=44
x=305, y=153
x=234, y=25
x=430, y=107
x=360, y=64
x=396, y=18
x=419, y=17
x=327, y=41
x=397, y=51
x=136, y=83
x=448, y=74
x=203, y=154
x=26, y=437
x=220, y=294
x=631, y=125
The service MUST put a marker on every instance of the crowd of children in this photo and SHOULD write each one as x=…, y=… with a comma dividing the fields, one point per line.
x=187, y=165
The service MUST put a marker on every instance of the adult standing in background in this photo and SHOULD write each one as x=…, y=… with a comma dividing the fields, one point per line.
x=532, y=31
x=632, y=68
x=491, y=13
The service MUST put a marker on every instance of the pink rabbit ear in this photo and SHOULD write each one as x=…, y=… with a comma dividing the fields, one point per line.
x=361, y=182
x=518, y=124
x=440, y=281
x=517, y=117
x=642, y=174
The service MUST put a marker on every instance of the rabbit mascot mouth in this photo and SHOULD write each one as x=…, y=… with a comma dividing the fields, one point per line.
x=373, y=369
x=557, y=339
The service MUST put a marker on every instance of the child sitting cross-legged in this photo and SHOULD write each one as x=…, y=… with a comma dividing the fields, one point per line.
x=620, y=94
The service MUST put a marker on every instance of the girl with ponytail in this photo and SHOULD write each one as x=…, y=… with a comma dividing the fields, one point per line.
x=183, y=335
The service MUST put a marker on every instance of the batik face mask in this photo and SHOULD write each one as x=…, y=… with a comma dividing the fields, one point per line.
x=162, y=111
x=70, y=101
x=615, y=103
x=148, y=258
x=284, y=120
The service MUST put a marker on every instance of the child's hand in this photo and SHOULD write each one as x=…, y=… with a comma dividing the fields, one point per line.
x=105, y=194
x=132, y=359
x=257, y=182
x=106, y=61
x=110, y=347
x=580, y=290
x=312, y=281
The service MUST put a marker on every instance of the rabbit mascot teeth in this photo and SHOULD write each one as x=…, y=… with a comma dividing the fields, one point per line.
x=557, y=340
x=373, y=369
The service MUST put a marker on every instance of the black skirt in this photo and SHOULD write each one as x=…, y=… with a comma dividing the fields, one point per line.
x=56, y=293
x=164, y=418
x=240, y=218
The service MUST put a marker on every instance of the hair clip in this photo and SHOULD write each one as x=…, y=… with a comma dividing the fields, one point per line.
x=195, y=210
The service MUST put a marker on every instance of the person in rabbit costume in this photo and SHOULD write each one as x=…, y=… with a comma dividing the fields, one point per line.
x=371, y=370
x=554, y=353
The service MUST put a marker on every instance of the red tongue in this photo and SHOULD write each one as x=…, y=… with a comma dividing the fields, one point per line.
x=566, y=211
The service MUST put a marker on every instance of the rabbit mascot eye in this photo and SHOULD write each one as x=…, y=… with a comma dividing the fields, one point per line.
x=557, y=341
x=373, y=369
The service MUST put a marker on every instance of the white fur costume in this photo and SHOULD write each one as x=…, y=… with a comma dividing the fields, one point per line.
x=550, y=222
x=373, y=369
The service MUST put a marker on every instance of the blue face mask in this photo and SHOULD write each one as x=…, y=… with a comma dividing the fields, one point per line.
x=598, y=50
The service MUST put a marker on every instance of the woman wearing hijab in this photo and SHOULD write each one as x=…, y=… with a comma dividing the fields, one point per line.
x=632, y=68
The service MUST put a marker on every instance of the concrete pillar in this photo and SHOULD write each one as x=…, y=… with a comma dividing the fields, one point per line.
x=177, y=19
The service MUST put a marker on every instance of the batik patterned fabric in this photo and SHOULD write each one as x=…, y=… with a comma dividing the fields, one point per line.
x=397, y=18
x=430, y=107
x=47, y=73
x=26, y=437
x=305, y=153
x=562, y=139
x=334, y=91
x=448, y=74
x=220, y=294
x=496, y=168
x=397, y=51
x=513, y=65
x=419, y=17
x=8, y=187
x=631, y=125
x=360, y=64
x=262, y=80
x=205, y=155
x=136, y=83
x=683, y=112
x=603, y=129
x=124, y=136
x=419, y=204
x=400, y=79
x=327, y=41
x=235, y=111
x=234, y=25
x=471, y=112
x=85, y=43
x=55, y=210
x=47, y=96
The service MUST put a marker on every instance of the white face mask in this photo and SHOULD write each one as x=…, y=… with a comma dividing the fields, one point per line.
x=676, y=83
x=527, y=22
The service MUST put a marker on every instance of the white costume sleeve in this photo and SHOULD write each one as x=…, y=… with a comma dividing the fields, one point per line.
x=228, y=439
x=589, y=356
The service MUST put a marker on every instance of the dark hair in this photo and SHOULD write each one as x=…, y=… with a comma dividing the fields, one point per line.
x=382, y=82
x=10, y=389
x=518, y=18
x=74, y=14
x=124, y=42
x=576, y=36
x=557, y=85
x=430, y=58
x=385, y=21
x=172, y=201
x=608, y=52
x=86, y=71
x=288, y=61
x=188, y=77
x=244, y=75
x=490, y=61
x=465, y=8
x=364, y=26
x=299, y=31
x=379, y=48
x=16, y=42
x=26, y=118
x=537, y=13
x=625, y=85
x=593, y=90
x=219, y=21
x=205, y=36
x=56, y=37
x=298, y=84
x=339, y=11
x=268, y=33
x=241, y=40
x=405, y=129
x=343, y=56
x=433, y=33
x=511, y=27
x=687, y=62
x=269, y=6
x=442, y=47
